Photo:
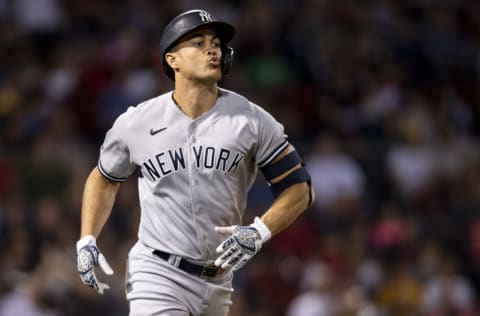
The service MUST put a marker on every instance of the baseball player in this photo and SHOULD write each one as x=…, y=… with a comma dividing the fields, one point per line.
x=198, y=149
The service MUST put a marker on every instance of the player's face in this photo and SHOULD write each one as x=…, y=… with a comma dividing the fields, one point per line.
x=197, y=57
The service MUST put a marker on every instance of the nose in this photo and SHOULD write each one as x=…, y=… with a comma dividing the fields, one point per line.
x=212, y=50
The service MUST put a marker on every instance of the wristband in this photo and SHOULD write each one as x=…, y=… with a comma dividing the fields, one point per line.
x=264, y=231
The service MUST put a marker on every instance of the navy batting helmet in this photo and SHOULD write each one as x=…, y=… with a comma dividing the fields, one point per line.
x=189, y=21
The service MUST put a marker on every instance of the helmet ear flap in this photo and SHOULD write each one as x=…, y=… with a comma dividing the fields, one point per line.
x=227, y=59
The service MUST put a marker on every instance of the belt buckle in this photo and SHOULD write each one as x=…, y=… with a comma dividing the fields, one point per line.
x=209, y=271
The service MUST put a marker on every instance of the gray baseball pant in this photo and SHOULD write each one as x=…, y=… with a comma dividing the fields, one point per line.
x=156, y=288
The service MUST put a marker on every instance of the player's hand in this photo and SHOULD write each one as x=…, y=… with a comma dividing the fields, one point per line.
x=88, y=256
x=244, y=242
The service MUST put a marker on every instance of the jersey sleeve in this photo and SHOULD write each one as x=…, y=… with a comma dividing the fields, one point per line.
x=272, y=139
x=114, y=162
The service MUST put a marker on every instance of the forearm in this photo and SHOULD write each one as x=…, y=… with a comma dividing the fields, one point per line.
x=286, y=208
x=98, y=198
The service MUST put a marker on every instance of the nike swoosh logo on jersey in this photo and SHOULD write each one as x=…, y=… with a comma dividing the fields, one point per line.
x=153, y=131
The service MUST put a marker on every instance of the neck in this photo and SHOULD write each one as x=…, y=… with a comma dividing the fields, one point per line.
x=194, y=99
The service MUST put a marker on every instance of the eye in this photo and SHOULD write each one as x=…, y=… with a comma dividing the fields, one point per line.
x=198, y=43
x=216, y=44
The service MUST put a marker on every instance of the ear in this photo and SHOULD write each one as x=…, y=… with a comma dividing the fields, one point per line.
x=171, y=60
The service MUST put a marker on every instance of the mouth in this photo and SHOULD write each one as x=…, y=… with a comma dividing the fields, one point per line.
x=214, y=61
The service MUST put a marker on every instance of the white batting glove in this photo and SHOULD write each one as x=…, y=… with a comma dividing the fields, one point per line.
x=244, y=242
x=88, y=256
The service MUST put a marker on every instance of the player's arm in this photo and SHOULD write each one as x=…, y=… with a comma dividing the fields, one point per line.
x=290, y=184
x=98, y=198
x=290, y=200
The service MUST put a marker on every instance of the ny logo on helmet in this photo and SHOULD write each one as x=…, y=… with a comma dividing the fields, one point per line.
x=205, y=16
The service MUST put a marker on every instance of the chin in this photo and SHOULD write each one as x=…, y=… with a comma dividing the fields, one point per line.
x=209, y=76
x=215, y=77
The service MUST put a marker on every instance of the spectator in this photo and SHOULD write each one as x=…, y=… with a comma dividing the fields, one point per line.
x=448, y=293
x=339, y=181
x=317, y=298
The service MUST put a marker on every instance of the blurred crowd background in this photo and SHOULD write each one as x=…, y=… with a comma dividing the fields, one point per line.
x=381, y=98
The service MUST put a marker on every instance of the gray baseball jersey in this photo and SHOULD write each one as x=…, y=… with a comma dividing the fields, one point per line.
x=195, y=173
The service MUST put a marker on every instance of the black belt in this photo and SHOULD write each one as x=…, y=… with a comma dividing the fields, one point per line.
x=184, y=265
